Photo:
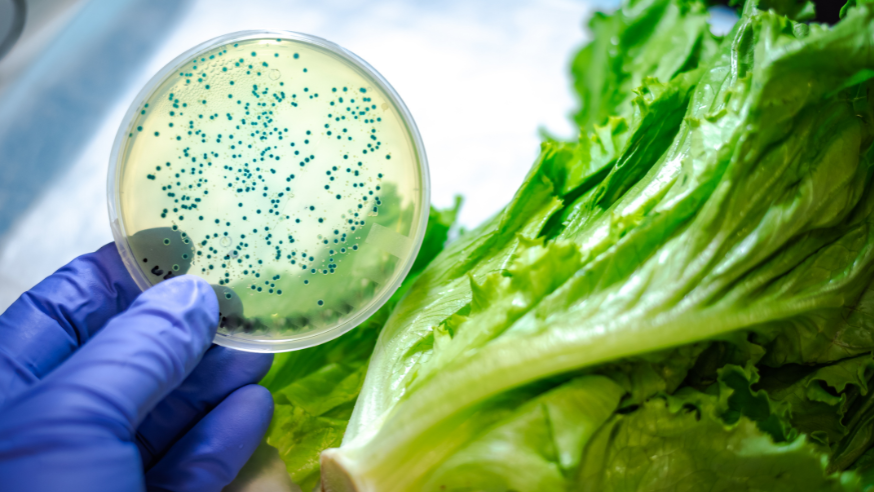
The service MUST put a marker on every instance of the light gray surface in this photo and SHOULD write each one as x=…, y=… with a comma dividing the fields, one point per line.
x=44, y=21
x=8, y=15
x=480, y=77
x=264, y=472
x=53, y=112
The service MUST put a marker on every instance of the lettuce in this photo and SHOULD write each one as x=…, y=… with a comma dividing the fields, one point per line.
x=679, y=300
x=314, y=389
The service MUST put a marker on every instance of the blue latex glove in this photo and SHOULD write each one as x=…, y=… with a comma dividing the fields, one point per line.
x=103, y=387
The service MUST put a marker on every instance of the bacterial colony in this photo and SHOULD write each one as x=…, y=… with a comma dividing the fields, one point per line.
x=279, y=173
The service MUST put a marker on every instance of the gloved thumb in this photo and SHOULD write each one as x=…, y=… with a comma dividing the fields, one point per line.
x=140, y=356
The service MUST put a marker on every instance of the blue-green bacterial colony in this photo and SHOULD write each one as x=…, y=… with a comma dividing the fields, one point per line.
x=280, y=173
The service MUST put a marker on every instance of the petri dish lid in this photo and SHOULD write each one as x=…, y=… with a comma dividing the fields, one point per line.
x=285, y=171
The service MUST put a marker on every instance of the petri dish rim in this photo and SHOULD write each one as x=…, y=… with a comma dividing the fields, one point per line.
x=114, y=176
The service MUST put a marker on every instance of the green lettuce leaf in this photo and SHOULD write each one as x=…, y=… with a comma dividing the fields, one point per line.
x=739, y=201
x=645, y=38
x=679, y=300
x=819, y=397
x=315, y=389
x=680, y=445
x=535, y=446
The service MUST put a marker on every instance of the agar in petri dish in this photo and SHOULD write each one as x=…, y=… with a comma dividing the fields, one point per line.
x=283, y=170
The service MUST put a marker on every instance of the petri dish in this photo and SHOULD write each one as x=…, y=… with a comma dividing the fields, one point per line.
x=285, y=171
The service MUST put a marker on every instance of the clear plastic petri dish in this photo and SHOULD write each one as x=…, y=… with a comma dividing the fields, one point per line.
x=285, y=171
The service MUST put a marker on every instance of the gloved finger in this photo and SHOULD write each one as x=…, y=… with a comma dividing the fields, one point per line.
x=134, y=362
x=220, y=373
x=211, y=454
x=47, y=323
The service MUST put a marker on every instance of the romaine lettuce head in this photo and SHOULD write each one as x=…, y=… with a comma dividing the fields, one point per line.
x=679, y=300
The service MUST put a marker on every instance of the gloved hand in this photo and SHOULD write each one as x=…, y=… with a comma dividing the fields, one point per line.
x=141, y=403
